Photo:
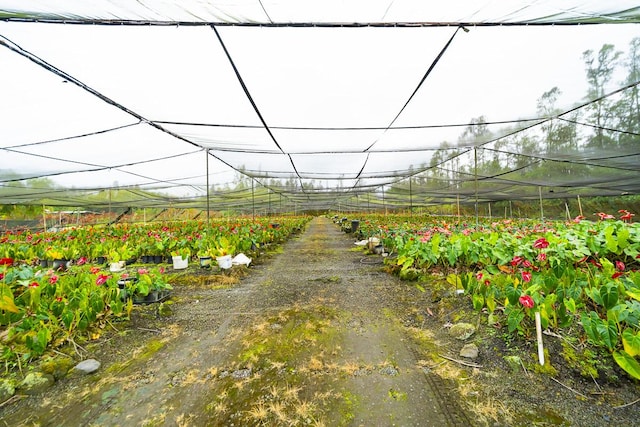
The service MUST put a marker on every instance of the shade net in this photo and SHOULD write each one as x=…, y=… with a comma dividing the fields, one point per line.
x=315, y=105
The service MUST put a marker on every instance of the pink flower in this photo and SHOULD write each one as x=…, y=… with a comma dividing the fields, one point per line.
x=604, y=216
x=82, y=261
x=53, y=279
x=143, y=271
x=479, y=276
x=526, y=301
x=526, y=276
x=102, y=279
x=526, y=263
x=517, y=260
x=542, y=257
x=541, y=243
x=619, y=265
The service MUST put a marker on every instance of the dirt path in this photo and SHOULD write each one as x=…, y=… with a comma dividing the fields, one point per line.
x=309, y=338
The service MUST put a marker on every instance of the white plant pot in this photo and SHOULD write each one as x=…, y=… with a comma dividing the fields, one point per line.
x=224, y=262
x=179, y=263
x=117, y=266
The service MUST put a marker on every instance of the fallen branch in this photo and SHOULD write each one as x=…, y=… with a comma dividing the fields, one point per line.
x=462, y=362
x=12, y=399
x=627, y=404
x=569, y=388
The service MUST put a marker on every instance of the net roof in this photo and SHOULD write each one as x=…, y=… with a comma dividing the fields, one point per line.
x=319, y=103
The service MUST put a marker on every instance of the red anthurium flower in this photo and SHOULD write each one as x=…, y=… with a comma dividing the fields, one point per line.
x=526, y=276
x=53, y=279
x=617, y=274
x=479, y=276
x=626, y=215
x=620, y=265
x=596, y=263
x=82, y=261
x=94, y=270
x=1, y=276
x=526, y=263
x=102, y=279
x=6, y=261
x=526, y=301
x=517, y=260
x=143, y=271
x=542, y=257
x=34, y=284
x=541, y=243
x=604, y=216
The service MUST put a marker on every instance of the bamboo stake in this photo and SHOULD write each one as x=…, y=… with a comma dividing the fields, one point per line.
x=580, y=205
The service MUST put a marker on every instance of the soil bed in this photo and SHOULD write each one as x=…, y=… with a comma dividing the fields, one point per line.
x=319, y=335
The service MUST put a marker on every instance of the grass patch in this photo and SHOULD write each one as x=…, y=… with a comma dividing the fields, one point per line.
x=282, y=374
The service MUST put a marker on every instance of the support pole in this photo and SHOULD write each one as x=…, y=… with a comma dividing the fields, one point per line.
x=253, y=200
x=44, y=219
x=384, y=204
x=489, y=211
x=410, y=198
x=458, y=205
x=475, y=172
x=208, y=195
x=541, y=208
x=566, y=207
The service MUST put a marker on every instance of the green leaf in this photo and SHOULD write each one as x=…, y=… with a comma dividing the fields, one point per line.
x=7, y=304
x=491, y=303
x=608, y=332
x=631, y=342
x=570, y=305
x=609, y=295
x=628, y=363
x=478, y=301
x=514, y=318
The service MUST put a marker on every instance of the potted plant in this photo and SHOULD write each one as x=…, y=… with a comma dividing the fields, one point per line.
x=224, y=250
x=180, y=257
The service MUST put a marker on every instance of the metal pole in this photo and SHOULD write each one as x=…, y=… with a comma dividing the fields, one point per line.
x=208, y=195
x=410, y=198
x=384, y=204
x=475, y=169
x=253, y=201
x=541, y=209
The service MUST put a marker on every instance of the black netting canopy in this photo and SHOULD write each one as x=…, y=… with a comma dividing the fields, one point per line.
x=318, y=104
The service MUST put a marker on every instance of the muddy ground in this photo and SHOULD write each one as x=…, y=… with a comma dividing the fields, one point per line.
x=319, y=334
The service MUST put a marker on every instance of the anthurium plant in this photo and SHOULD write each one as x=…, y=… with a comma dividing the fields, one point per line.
x=574, y=273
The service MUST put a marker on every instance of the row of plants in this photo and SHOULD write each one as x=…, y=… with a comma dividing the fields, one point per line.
x=577, y=272
x=130, y=242
x=43, y=308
